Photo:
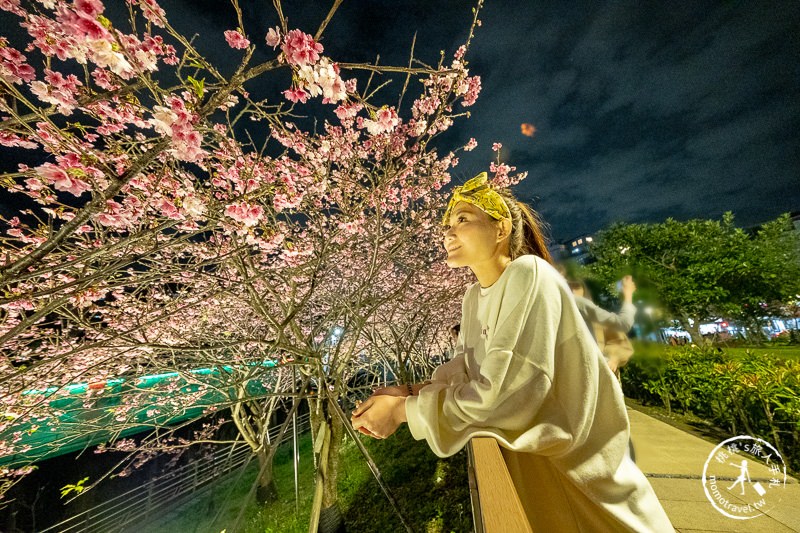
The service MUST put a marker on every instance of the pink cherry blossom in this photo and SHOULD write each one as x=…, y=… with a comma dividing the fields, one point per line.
x=236, y=39
x=296, y=95
x=348, y=111
x=177, y=123
x=11, y=140
x=194, y=206
x=168, y=209
x=152, y=11
x=386, y=120
x=89, y=8
x=471, y=89
x=300, y=49
x=322, y=79
x=246, y=213
x=59, y=90
x=12, y=6
x=496, y=147
x=471, y=145
x=319, y=200
x=163, y=118
x=274, y=37
x=103, y=54
x=12, y=64
x=62, y=181
x=103, y=80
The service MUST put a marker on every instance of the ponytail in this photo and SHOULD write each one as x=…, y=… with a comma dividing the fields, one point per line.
x=527, y=234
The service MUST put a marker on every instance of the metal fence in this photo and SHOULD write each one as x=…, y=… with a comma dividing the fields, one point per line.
x=163, y=492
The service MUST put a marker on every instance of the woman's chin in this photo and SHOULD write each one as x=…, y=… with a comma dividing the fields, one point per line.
x=453, y=262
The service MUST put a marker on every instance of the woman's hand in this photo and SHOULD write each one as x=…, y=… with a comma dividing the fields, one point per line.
x=628, y=288
x=379, y=416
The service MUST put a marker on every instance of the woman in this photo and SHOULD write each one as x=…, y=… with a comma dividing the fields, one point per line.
x=528, y=373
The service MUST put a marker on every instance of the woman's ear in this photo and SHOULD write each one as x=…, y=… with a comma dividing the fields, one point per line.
x=503, y=229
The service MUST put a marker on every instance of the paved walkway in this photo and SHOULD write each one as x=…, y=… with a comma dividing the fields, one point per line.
x=673, y=461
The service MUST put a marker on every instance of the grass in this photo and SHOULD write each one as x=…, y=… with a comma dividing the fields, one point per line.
x=433, y=493
x=782, y=351
x=218, y=508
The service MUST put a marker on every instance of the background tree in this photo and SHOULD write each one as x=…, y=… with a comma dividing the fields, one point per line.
x=701, y=269
x=768, y=281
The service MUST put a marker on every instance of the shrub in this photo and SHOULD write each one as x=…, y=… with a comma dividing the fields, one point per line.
x=758, y=394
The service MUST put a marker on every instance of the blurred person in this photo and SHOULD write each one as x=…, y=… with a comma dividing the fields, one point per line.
x=610, y=329
x=528, y=373
x=454, y=331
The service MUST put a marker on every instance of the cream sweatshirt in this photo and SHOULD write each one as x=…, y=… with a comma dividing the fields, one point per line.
x=528, y=373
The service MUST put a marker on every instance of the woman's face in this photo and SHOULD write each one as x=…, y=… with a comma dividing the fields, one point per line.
x=471, y=237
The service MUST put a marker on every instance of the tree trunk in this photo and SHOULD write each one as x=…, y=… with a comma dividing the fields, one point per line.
x=329, y=432
x=693, y=330
x=330, y=495
x=266, y=491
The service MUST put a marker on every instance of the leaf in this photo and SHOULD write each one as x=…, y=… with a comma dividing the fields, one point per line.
x=198, y=85
x=77, y=487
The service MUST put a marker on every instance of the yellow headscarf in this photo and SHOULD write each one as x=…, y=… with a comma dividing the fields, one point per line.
x=479, y=193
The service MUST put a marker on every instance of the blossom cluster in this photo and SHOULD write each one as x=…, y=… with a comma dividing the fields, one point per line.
x=178, y=123
x=314, y=75
x=13, y=67
x=236, y=39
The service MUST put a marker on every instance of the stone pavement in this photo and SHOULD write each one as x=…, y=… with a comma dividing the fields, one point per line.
x=673, y=461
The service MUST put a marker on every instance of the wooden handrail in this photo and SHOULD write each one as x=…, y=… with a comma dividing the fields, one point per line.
x=500, y=508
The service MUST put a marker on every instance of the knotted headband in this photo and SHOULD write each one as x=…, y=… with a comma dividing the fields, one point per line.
x=479, y=193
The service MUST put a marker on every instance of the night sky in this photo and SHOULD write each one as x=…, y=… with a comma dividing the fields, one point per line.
x=643, y=110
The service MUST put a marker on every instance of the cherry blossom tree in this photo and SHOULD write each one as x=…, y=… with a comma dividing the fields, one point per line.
x=158, y=236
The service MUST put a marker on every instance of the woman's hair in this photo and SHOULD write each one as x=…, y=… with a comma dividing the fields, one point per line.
x=527, y=234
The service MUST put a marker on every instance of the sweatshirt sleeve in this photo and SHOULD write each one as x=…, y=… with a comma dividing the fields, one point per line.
x=591, y=312
x=451, y=371
x=504, y=398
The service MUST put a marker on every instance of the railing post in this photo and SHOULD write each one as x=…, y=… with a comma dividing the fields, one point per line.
x=474, y=497
x=149, y=496
x=501, y=510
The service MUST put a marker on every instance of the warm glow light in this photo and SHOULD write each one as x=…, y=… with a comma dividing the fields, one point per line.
x=527, y=129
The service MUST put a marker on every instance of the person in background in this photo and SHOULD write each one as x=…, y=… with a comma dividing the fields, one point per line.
x=528, y=373
x=454, y=331
x=607, y=327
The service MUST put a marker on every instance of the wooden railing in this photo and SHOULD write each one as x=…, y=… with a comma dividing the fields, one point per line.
x=496, y=507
